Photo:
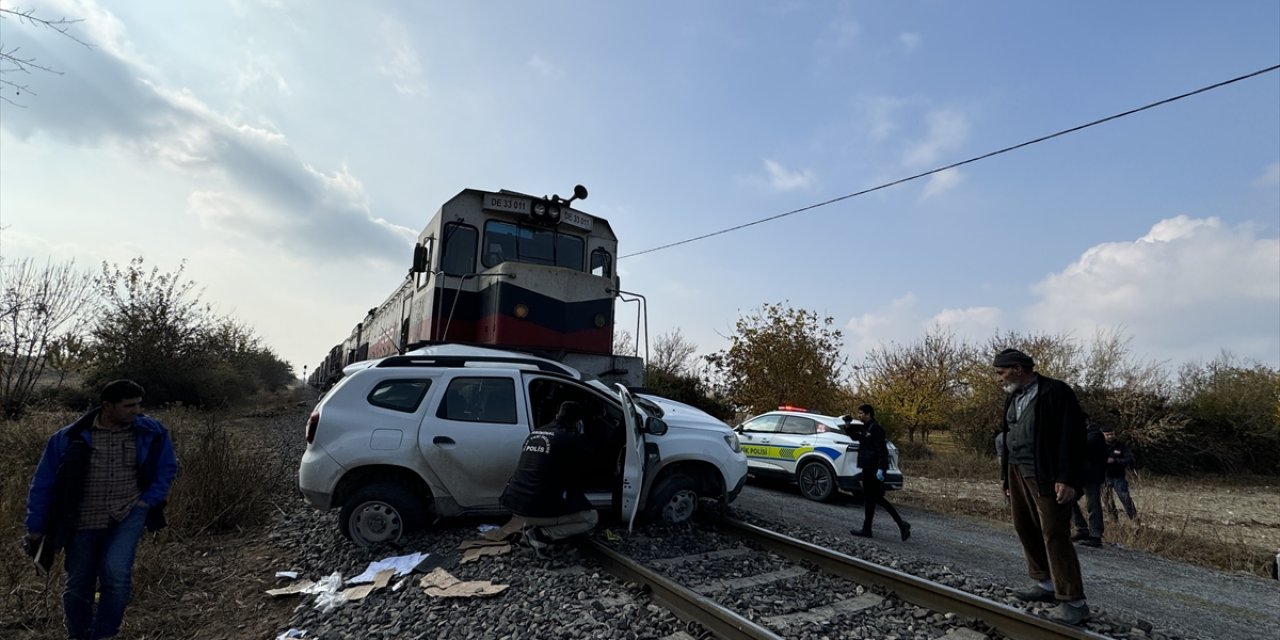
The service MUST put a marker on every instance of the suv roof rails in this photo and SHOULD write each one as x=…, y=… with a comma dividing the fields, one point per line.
x=461, y=361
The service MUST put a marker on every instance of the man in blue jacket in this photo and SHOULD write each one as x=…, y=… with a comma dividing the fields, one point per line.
x=102, y=480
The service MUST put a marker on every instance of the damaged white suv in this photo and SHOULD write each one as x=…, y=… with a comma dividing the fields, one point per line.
x=437, y=433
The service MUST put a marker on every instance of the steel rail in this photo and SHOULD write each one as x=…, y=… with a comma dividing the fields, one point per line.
x=686, y=604
x=1012, y=622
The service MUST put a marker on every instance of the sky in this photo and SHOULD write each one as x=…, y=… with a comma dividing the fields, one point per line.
x=289, y=152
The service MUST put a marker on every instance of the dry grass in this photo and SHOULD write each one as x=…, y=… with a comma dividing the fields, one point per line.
x=1227, y=523
x=187, y=576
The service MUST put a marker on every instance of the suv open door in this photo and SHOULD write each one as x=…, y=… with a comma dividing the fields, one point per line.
x=633, y=462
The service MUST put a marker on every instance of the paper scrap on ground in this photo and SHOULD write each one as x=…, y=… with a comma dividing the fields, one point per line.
x=292, y=633
x=291, y=575
x=379, y=581
x=297, y=587
x=485, y=528
x=326, y=590
x=402, y=564
x=442, y=584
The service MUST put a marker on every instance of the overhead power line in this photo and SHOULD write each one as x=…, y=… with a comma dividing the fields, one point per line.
x=956, y=164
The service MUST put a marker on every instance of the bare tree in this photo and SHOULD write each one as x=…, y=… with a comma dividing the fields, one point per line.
x=39, y=307
x=13, y=60
x=623, y=345
x=673, y=354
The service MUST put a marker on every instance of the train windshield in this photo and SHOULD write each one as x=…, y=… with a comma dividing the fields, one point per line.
x=505, y=241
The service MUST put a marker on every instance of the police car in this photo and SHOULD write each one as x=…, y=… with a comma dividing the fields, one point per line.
x=810, y=449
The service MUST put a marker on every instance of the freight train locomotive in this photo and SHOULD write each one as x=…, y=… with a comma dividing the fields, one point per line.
x=505, y=270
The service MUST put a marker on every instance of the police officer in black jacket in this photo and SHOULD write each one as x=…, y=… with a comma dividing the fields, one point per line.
x=873, y=460
x=545, y=490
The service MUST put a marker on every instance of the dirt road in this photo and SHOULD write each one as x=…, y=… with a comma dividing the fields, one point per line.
x=1174, y=597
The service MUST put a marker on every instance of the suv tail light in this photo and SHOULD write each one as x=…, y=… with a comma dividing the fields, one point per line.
x=312, y=423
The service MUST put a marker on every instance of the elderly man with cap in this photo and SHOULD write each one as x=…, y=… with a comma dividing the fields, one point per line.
x=1044, y=446
x=546, y=488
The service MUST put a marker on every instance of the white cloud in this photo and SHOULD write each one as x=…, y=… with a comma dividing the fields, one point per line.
x=898, y=321
x=275, y=196
x=1270, y=176
x=910, y=41
x=948, y=131
x=544, y=68
x=840, y=34
x=781, y=179
x=399, y=60
x=971, y=323
x=879, y=115
x=257, y=70
x=1188, y=288
x=941, y=182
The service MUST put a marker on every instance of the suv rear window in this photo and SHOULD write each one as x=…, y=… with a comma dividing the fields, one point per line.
x=478, y=399
x=399, y=395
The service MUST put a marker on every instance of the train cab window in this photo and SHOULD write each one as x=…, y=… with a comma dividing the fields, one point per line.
x=601, y=263
x=501, y=242
x=569, y=251
x=458, y=258
x=505, y=241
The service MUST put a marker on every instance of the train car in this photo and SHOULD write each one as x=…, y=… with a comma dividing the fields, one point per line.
x=505, y=270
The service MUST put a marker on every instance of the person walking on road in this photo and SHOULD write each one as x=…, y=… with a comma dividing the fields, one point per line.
x=1119, y=458
x=101, y=481
x=1045, y=448
x=1089, y=531
x=545, y=490
x=873, y=460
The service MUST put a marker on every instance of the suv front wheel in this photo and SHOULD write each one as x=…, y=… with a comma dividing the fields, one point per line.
x=379, y=513
x=674, y=499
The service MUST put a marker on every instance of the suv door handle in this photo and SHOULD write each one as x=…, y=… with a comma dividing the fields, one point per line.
x=442, y=441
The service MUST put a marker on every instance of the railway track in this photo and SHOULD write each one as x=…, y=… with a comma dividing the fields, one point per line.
x=791, y=559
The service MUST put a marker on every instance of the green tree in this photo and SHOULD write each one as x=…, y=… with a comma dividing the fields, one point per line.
x=1231, y=407
x=781, y=355
x=158, y=332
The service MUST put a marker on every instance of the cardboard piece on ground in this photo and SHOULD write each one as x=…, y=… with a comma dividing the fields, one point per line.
x=475, y=553
x=513, y=526
x=442, y=584
x=472, y=544
x=295, y=588
x=380, y=580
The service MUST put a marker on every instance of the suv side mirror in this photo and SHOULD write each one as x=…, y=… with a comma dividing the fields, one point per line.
x=654, y=426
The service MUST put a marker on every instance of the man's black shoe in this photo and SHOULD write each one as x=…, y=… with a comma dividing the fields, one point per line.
x=1034, y=593
x=861, y=533
x=905, y=528
x=1092, y=542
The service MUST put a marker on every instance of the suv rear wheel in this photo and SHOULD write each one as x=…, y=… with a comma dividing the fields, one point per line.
x=380, y=513
x=817, y=481
x=674, y=499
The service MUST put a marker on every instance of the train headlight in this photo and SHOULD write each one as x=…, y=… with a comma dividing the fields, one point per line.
x=539, y=209
x=522, y=311
x=553, y=214
x=599, y=320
